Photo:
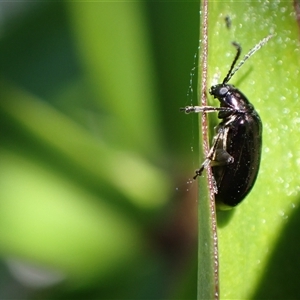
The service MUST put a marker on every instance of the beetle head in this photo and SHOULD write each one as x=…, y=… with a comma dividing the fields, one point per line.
x=219, y=91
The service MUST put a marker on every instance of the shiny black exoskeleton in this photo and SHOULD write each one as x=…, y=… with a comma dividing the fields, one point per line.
x=236, y=148
x=239, y=140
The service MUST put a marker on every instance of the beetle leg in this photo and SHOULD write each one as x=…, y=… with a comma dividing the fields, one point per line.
x=198, y=109
x=211, y=153
x=221, y=156
x=217, y=155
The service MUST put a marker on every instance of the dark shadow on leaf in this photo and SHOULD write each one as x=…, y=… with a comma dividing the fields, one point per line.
x=224, y=217
x=282, y=272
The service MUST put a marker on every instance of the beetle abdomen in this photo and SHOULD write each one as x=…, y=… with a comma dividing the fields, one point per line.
x=244, y=140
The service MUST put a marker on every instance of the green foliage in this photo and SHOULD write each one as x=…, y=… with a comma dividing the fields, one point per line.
x=91, y=135
x=95, y=155
x=250, y=236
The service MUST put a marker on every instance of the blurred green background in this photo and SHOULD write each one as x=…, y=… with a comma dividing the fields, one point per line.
x=94, y=153
x=95, y=157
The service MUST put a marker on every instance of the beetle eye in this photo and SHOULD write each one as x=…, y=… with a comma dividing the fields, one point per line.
x=223, y=91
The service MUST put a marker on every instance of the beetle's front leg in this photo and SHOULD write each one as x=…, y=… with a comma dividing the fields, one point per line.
x=198, y=109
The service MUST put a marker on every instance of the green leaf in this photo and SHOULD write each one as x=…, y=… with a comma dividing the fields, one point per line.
x=250, y=234
x=115, y=31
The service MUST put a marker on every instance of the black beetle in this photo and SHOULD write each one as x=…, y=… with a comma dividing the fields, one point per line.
x=236, y=147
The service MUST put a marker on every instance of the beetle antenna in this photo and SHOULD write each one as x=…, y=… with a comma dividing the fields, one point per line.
x=248, y=55
x=238, y=53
